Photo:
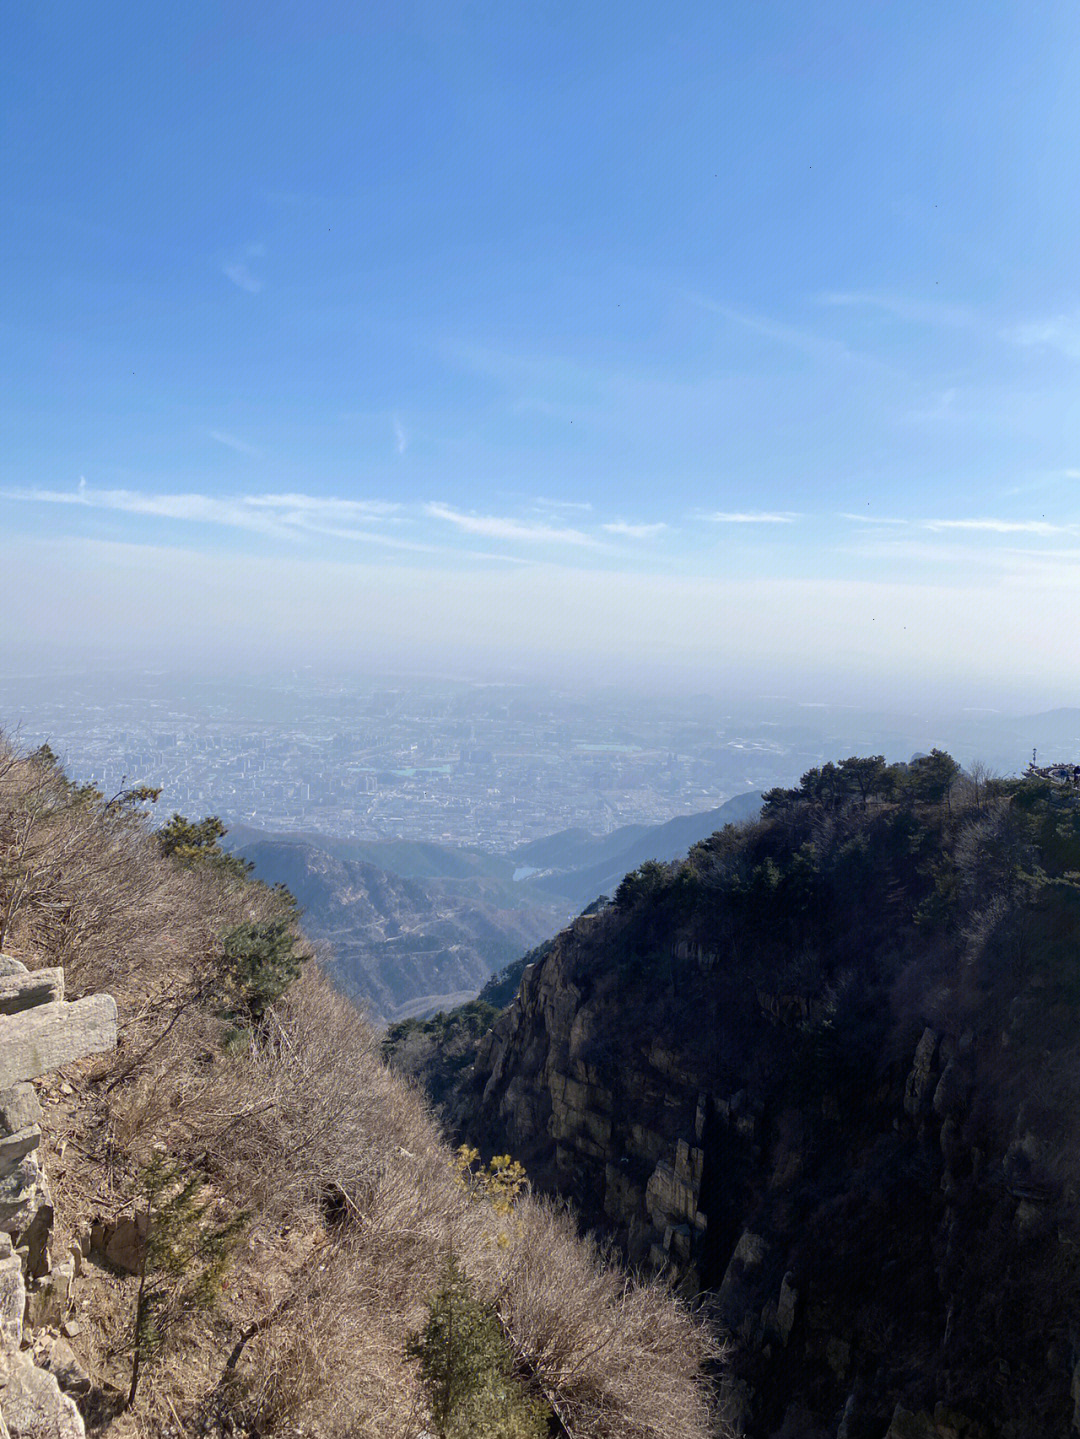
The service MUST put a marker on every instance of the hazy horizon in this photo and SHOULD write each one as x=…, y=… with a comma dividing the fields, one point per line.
x=732, y=348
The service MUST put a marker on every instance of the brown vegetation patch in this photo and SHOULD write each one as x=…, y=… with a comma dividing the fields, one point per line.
x=351, y=1198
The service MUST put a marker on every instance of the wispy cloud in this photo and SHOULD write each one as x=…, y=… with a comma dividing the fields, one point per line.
x=793, y=337
x=1002, y=527
x=1048, y=479
x=634, y=532
x=236, y=269
x=282, y=516
x=901, y=307
x=501, y=527
x=195, y=508
x=242, y=278
x=401, y=439
x=1059, y=332
x=870, y=519
x=232, y=443
x=298, y=517
x=324, y=505
x=967, y=562
x=753, y=517
x=543, y=503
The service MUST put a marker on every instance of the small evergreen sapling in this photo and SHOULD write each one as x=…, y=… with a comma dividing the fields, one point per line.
x=185, y=1253
x=261, y=961
x=466, y=1365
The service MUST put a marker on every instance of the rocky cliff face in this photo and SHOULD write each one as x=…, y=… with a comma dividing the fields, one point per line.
x=626, y=1139
x=844, y=1121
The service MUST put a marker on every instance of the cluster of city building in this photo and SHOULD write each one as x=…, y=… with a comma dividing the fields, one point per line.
x=479, y=765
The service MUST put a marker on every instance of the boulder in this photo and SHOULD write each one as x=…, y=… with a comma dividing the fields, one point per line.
x=125, y=1245
x=58, y=1358
x=15, y=1147
x=22, y=1191
x=51, y=1035
x=750, y=1250
x=953, y=1089
x=786, y=1307
x=19, y=992
x=33, y=1406
x=737, y=1295
x=19, y=1108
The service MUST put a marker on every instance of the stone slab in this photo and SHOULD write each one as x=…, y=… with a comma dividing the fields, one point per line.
x=34, y=1407
x=42, y=1039
x=25, y=991
x=19, y=1108
x=15, y=1147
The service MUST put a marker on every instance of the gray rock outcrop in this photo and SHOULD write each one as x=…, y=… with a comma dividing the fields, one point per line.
x=38, y=1032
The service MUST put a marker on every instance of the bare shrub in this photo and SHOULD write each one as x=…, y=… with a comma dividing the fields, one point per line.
x=353, y=1200
x=613, y=1357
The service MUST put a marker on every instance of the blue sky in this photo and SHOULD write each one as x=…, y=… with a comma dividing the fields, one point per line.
x=731, y=337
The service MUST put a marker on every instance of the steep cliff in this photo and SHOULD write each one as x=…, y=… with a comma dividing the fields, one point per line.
x=827, y=1073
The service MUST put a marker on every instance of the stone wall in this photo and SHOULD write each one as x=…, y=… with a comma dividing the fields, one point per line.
x=39, y=1031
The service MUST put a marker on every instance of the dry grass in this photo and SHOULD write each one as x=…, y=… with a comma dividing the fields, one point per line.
x=353, y=1205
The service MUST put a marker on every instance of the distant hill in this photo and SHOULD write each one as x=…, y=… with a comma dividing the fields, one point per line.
x=410, y=859
x=405, y=946
x=577, y=848
x=581, y=866
x=415, y=927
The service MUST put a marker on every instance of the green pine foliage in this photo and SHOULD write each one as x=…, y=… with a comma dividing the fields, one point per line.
x=261, y=960
x=926, y=780
x=195, y=842
x=186, y=1251
x=467, y=1368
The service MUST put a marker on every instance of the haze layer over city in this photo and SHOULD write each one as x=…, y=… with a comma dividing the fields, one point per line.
x=467, y=764
x=728, y=350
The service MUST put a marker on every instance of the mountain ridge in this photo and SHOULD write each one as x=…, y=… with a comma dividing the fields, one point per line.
x=825, y=1071
x=414, y=926
x=396, y=941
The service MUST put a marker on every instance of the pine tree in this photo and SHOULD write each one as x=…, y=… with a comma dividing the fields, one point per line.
x=466, y=1365
x=186, y=1251
x=261, y=961
x=194, y=843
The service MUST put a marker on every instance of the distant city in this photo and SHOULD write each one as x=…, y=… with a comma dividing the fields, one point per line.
x=449, y=761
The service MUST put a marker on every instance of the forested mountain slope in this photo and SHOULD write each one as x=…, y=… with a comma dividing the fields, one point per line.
x=827, y=1071
x=579, y=866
